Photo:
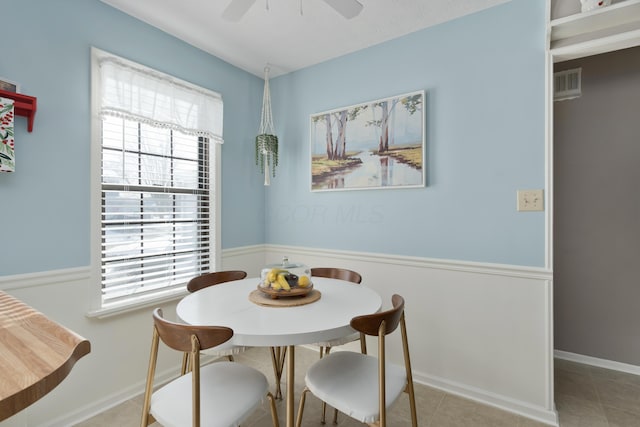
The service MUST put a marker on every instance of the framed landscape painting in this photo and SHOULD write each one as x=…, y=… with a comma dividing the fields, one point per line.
x=373, y=145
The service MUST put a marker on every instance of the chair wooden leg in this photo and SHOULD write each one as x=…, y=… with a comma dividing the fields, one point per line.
x=324, y=411
x=301, y=407
x=278, y=355
x=363, y=343
x=185, y=364
x=326, y=352
x=407, y=364
x=382, y=403
x=412, y=404
x=195, y=379
x=146, y=416
x=274, y=411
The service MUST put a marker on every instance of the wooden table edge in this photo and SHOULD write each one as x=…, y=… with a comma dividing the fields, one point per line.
x=78, y=346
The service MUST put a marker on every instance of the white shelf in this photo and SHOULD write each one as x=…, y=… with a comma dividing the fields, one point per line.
x=597, y=46
x=598, y=31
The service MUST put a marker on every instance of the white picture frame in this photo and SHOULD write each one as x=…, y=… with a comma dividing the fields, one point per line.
x=378, y=144
x=9, y=86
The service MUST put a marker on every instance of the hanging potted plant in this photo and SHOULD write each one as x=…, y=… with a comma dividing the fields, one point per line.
x=266, y=141
x=267, y=155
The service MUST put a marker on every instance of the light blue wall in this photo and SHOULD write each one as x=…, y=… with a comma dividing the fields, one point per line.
x=484, y=80
x=44, y=219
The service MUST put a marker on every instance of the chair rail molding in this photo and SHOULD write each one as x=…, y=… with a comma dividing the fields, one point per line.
x=413, y=261
x=43, y=278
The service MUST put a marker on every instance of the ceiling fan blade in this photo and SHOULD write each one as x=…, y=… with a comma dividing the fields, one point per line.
x=347, y=8
x=236, y=9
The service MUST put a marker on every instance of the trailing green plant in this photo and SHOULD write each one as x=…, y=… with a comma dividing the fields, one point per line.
x=267, y=152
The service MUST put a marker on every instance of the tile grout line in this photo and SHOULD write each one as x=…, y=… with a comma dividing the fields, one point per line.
x=617, y=407
x=435, y=411
x=601, y=406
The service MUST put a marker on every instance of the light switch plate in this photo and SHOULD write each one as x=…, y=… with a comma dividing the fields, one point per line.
x=530, y=200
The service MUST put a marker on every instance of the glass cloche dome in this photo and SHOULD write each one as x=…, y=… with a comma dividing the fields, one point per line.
x=285, y=276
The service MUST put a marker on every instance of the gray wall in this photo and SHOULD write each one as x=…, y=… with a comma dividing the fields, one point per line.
x=597, y=210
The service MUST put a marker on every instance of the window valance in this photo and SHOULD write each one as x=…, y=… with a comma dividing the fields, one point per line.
x=138, y=93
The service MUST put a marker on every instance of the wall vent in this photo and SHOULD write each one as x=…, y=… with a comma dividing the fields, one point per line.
x=567, y=84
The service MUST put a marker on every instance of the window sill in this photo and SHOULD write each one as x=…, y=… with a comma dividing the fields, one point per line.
x=136, y=303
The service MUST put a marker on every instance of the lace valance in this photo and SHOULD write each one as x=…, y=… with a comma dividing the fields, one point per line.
x=135, y=92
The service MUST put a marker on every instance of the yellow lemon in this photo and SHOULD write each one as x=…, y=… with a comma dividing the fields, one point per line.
x=303, y=281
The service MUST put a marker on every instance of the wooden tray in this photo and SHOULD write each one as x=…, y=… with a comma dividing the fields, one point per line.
x=294, y=292
x=261, y=298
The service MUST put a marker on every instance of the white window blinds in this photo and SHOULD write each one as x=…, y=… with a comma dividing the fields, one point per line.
x=157, y=219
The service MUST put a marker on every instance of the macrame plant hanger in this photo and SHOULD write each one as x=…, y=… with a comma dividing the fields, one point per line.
x=267, y=141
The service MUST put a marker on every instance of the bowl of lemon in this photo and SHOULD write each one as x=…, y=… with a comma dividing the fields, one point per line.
x=285, y=280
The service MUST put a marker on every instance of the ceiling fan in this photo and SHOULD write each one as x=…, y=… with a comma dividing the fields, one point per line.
x=237, y=8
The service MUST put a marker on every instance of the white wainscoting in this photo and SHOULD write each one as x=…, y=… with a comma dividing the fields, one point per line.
x=114, y=370
x=477, y=330
x=482, y=331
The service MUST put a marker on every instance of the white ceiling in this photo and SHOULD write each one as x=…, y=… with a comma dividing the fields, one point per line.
x=285, y=39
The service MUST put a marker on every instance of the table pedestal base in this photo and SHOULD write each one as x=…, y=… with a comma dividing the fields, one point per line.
x=291, y=363
x=278, y=355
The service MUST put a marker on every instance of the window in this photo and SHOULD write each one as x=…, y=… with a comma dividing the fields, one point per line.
x=155, y=202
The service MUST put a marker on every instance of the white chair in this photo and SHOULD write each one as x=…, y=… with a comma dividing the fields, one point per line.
x=221, y=394
x=212, y=279
x=348, y=276
x=228, y=350
x=278, y=354
x=363, y=386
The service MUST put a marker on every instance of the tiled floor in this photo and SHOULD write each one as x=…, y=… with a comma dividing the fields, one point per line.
x=585, y=397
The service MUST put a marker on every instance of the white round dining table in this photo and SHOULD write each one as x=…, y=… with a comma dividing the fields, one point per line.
x=328, y=318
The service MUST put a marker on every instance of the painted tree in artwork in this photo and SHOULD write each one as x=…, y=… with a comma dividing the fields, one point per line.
x=327, y=120
x=383, y=123
x=411, y=103
x=341, y=121
x=337, y=150
x=351, y=115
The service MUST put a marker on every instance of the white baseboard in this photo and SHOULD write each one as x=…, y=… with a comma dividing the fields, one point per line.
x=95, y=408
x=462, y=390
x=600, y=363
x=482, y=396
x=84, y=413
